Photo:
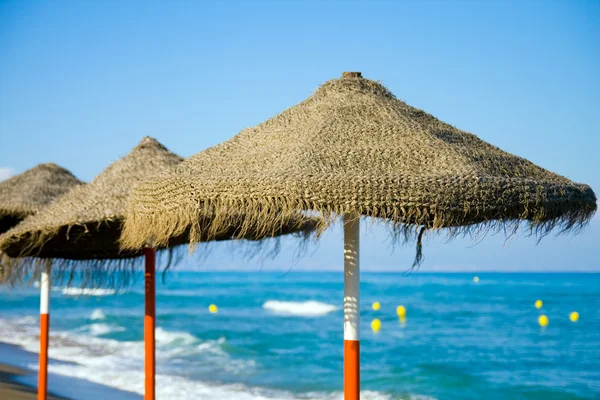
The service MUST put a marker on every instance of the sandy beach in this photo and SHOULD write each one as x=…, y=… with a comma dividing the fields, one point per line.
x=10, y=389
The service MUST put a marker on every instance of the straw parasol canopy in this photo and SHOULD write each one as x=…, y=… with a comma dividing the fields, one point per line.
x=83, y=227
x=354, y=148
x=27, y=193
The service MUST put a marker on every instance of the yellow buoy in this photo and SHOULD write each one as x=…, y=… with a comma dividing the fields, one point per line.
x=401, y=311
x=376, y=306
x=213, y=308
x=543, y=320
x=476, y=279
x=574, y=316
x=376, y=325
x=538, y=304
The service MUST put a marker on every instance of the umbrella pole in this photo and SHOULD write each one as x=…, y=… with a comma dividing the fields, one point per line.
x=150, y=323
x=351, y=308
x=44, y=330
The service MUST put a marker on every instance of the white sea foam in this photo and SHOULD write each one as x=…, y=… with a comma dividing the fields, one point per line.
x=28, y=320
x=178, y=388
x=97, y=314
x=100, y=329
x=121, y=364
x=305, y=309
x=164, y=337
x=74, y=291
x=210, y=345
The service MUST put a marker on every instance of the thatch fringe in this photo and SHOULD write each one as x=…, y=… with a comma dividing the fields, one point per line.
x=262, y=215
x=79, y=241
x=115, y=273
x=99, y=254
x=252, y=224
x=125, y=272
x=250, y=251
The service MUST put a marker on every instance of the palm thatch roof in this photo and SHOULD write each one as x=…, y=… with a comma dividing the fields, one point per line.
x=27, y=193
x=353, y=147
x=81, y=230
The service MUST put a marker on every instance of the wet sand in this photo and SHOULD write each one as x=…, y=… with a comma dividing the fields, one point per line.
x=13, y=390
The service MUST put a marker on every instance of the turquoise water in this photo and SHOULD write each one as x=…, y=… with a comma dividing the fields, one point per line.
x=279, y=336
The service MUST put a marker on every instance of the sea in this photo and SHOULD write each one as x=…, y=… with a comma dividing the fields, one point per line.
x=279, y=335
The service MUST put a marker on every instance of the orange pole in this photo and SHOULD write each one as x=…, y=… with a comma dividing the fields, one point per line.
x=351, y=369
x=43, y=371
x=44, y=331
x=150, y=323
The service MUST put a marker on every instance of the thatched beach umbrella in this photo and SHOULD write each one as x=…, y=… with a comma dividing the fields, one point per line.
x=81, y=230
x=352, y=149
x=24, y=195
x=27, y=193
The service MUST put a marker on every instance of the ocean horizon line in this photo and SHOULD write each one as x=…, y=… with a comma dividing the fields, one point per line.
x=385, y=271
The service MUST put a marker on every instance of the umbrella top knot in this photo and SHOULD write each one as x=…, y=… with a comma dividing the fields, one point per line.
x=347, y=75
x=148, y=140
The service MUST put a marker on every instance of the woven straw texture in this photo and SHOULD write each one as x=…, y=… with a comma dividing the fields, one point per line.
x=354, y=148
x=27, y=193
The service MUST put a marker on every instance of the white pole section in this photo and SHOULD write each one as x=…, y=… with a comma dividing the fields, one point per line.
x=351, y=308
x=45, y=291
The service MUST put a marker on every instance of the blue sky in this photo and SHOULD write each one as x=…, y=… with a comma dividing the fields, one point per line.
x=82, y=82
